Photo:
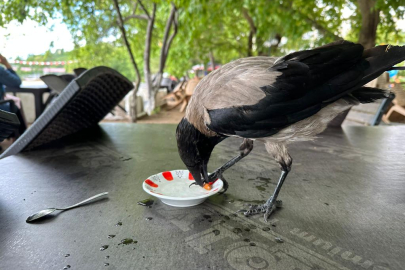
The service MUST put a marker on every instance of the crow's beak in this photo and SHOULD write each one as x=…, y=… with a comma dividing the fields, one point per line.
x=198, y=172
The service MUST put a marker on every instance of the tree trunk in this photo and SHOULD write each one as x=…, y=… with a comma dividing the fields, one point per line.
x=166, y=40
x=261, y=49
x=166, y=43
x=153, y=86
x=212, y=61
x=132, y=112
x=273, y=47
x=370, y=17
x=252, y=31
x=250, y=44
x=150, y=103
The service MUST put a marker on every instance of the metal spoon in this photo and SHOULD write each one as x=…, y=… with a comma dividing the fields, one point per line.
x=45, y=212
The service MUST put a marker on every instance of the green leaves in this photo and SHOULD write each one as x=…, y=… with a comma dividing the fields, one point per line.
x=217, y=26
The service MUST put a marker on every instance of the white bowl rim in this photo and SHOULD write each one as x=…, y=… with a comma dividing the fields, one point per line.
x=221, y=183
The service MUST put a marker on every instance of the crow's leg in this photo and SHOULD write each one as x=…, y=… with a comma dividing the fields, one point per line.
x=271, y=204
x=245, y=148
x=279, y=152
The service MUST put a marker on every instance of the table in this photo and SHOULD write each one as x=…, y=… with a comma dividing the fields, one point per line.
x=38, y=92
x=343, y=205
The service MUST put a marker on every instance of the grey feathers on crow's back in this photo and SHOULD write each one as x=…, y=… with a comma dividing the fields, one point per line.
x=260, y=97
x=234, y=84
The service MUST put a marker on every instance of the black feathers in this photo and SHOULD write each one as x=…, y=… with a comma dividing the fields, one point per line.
x=307, y=81
x=193, y=146
x=368, y=95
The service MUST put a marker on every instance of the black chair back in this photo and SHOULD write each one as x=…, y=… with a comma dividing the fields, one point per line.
x=82, y=104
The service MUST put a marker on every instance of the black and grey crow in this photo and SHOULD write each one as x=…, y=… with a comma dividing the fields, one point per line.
x=278, y=101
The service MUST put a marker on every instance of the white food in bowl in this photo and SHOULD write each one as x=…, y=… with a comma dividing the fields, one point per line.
x=173, y=188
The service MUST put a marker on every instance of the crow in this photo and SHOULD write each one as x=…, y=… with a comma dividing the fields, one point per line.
x=278, y=101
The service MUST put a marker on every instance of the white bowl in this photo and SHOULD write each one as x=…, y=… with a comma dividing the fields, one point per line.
x=172, y=188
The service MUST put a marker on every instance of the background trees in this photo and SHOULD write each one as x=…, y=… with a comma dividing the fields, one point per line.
x=165, y=36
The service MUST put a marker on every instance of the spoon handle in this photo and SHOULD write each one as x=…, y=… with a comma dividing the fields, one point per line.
x=85, y=201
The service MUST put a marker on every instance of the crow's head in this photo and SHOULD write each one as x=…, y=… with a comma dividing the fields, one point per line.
x=195, y=149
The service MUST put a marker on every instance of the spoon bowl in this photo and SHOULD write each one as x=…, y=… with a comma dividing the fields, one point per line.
x=40, y=214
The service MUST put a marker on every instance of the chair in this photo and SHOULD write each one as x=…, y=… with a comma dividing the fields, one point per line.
x=182, y=94
x=79, y=71
x=68, y=77
x=9, y=124
x=398, y=103
x=10, y=107
x=191, y=85
x=168, y=84
x=56, y=84
x=177, y=96
x=82, y=104
x=59, y=82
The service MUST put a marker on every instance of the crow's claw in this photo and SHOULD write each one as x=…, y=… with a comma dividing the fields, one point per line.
x=194, y=183
x=266, y=208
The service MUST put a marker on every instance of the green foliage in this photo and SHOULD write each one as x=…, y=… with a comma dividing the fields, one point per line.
x=104, y=54
x=217, y=26
x=387, y=31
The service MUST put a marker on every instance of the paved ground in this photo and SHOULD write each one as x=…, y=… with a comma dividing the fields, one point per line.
x=165, y=116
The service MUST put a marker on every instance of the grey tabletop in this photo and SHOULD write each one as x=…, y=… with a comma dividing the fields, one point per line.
x=343, y=205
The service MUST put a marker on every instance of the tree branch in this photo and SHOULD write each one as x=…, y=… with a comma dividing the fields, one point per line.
x=145, y=10
x=146, y=57
x=212, y=60
x=166, y=39
x=138, y=75
x=148, y=40
x=175, y=25
x=249, y=19
x=288, y=7
x=135, y=8
x=134, y=16
x=324, y=31
x=252, y=31
x=124, y=36
x=273, y=47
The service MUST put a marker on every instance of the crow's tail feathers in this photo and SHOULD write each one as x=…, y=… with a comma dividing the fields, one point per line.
x=368, y=94
x=380, y=59
x=397, y=68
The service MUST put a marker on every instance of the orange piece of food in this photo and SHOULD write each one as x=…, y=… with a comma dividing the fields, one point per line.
x=207, y=186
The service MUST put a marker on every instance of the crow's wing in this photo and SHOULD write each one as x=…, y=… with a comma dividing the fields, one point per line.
x=252, y=100
x=236, y=83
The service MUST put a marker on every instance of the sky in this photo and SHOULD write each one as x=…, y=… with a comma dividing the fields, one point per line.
x=31, y=38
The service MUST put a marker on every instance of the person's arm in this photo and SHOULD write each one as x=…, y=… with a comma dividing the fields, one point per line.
x=8, y=77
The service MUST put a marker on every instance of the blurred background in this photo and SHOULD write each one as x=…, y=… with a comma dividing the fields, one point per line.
x=159, y=44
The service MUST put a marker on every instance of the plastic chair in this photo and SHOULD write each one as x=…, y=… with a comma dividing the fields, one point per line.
x=56, y=84
x=398, y=103
x=9, y=124
x=10, y=107
x=82, y=104
x=79, y=71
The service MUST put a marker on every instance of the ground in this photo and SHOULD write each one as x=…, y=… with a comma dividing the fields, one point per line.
x=163, y=117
